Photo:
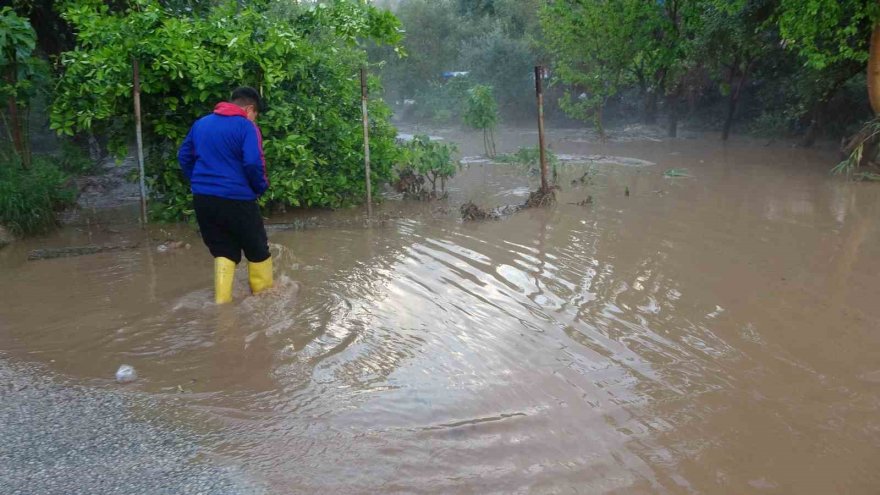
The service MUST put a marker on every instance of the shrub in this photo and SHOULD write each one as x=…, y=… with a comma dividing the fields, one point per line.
x=30, y=197
x=423, y=163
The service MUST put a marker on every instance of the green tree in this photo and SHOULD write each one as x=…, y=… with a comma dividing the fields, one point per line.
x=826, y=32
x=591, y=42
x=302, y=58
x=481, y=112
x=732, y=37
x=476, y=7
x=833, y=38
x=21, y=71
x=671, y=52
x=496, y=41
x=505, y=63
x=433, y=36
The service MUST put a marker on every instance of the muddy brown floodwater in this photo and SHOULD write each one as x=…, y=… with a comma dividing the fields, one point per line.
x=714, y=334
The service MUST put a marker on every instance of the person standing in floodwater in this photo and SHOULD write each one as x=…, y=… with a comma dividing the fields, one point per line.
x=222, y=156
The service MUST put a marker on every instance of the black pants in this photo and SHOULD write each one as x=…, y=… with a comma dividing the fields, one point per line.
x=230, y=226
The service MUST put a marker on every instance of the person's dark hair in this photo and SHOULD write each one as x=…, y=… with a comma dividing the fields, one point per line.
x=247, y=95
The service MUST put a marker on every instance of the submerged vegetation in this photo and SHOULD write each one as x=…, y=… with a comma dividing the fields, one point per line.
x=862, y=150
x=425, y=165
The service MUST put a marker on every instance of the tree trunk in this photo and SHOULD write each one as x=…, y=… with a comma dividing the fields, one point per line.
x=658, y=89
x=600, y=125
x=492, y=142
x=692, y=94
x=648, y=97
x=812, y=133
x=874, y=70
x=651, y=107
x=728, y=122
x=734, y=99
x=672, y=109
x=15, y=122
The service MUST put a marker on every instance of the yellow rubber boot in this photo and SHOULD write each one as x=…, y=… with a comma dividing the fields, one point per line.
x=260, y=275
x=224, y=275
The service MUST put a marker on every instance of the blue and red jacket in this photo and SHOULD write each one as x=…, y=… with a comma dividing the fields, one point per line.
x=222, y=155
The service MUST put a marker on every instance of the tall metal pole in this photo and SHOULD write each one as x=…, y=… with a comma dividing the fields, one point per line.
x=140, y=140
x=539, y=91
x=366, y=141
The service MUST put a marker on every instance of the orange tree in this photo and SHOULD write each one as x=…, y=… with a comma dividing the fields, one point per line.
x=303, y=59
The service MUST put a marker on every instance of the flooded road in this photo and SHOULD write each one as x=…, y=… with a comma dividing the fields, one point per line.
x=713, y=334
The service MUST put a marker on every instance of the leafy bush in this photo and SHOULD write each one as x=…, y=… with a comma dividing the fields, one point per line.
x=303, y=58
x=30, y=197
x=425, y=162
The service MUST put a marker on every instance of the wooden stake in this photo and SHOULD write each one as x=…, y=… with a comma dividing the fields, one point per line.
x=140, y=140
x=539, y=91
x=366, y=141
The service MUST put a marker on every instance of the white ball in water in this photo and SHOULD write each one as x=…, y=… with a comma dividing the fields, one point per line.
x=126, y=374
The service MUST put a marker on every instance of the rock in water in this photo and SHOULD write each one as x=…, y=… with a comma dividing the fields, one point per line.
x=126, y=374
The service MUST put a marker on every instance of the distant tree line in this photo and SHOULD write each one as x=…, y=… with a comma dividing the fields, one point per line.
x=781, y=67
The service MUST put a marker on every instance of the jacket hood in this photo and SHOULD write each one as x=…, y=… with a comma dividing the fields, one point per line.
x=229, y=110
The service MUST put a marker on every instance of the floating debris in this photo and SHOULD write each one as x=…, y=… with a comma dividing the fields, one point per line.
x=585, y=202
x=171, y=245
x=675, y=173
x=470, y=212
x=126, y=374
x=587, y=178
x=67, y=252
